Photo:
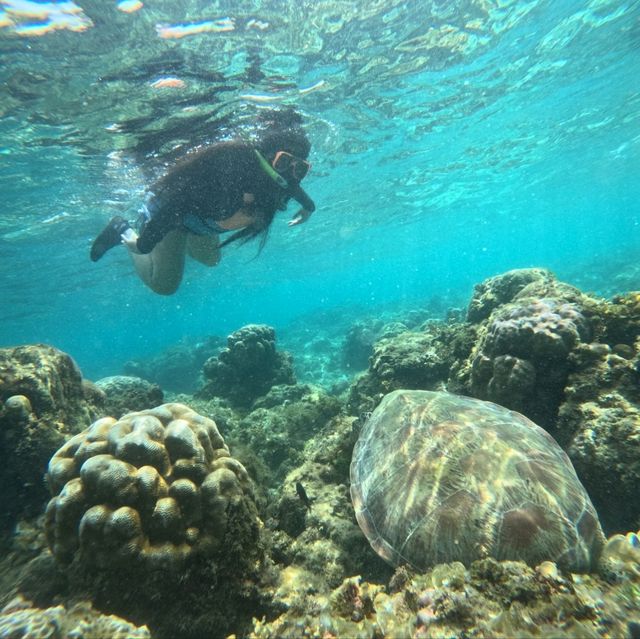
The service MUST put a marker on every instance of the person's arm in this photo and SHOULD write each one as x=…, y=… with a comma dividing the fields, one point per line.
x=308, y=206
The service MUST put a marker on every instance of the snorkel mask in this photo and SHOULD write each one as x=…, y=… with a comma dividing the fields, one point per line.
x=286, y=163
x=295, y=190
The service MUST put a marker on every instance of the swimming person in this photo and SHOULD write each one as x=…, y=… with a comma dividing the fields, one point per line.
x=228, y=187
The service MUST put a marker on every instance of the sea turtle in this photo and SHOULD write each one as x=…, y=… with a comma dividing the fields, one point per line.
x=437, y=477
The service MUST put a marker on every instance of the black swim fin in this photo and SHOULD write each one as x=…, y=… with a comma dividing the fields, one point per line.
x=109, y=237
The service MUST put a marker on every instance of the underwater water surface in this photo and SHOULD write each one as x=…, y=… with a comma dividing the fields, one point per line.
x=451, y=141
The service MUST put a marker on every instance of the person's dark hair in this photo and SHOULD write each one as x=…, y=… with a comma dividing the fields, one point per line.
x=281, y=130
x=278, y=130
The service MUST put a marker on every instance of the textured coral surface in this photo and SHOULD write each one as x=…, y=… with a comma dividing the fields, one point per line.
x=20, y=619
x=154, y=486
x=125, y=394
x=248, y=367
x=43, y=398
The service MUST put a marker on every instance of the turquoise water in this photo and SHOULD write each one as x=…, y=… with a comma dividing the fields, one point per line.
x=451, y=141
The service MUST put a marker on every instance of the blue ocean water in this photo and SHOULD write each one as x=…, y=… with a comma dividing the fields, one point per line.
x=452, y=141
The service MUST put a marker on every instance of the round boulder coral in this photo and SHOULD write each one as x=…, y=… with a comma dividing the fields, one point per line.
x=522, y=361
x=248, y=367
x=155, y=488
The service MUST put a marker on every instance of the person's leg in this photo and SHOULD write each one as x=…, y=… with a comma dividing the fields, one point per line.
x=162, y=269
x=204, y=248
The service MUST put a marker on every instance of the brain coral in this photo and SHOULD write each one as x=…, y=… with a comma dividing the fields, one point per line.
x=155, y=488
x=544, y=328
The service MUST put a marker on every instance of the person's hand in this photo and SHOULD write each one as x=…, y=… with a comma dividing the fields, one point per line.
x=300, y=217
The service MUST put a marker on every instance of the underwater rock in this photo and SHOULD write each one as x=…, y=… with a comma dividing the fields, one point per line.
x=43, y=398
x=599, y=426
x=248, y=367
x=51, y=381
x=282, y=421
x=414, y=360
x=322, y=536
x=358, y=343
x=493, y=599
x=502, y=289
x=179, y=368
x=125, y=394
x=437, y=478
x=20, y=618
x=154, y=491
x=520, y=358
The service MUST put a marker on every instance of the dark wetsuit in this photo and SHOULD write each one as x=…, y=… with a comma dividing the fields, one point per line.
x=209, y=185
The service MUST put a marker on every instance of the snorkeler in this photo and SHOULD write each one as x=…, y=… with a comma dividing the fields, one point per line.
x=228, y=186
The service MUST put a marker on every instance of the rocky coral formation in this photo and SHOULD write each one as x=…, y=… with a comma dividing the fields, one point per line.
x=319, y=534
x=154, y=491
x=599, y=424
x=410, y=360
x=21, y=619
x=43, y=398
x=248, y=367
x=126, y=394
x=282, y=422
x=522, y=360
x=494, y=599
x=358, y=344
x=527, y=325
x=51, y=381
x=179, y=368
x=502, y=289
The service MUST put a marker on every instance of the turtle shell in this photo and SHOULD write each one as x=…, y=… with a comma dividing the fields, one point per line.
x=437, y=477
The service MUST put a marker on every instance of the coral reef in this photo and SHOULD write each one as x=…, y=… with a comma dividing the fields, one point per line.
x=410, y=360
x=43, y=398
x=494, y=599
x=125, y=394
x=20, y=619
x=502, y=289
x=139, y=529
x=51, y=381
x=179, y=368
x=248, y=367
x=322, y=537
x=599, y=425
x=281, y=422
x=522, y=360
x=358, y=344
x=154, y=492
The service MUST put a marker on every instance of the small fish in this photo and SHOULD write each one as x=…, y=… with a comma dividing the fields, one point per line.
x=302, y=493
